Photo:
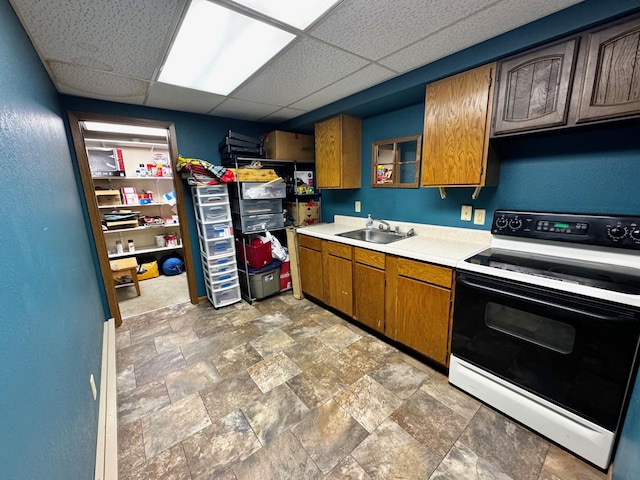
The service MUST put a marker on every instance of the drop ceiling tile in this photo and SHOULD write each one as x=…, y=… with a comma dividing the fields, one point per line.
x=367, y=77
x=85, y=82
x=306, y=67
x=162, y=95
x=377, y=29
x=243, y=110
x=120, y=37
x=472, y=30
x=283, y=115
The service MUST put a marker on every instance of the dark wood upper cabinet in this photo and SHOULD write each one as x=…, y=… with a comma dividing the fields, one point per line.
x=533, y=89
x=611, y=86
x=590, y=78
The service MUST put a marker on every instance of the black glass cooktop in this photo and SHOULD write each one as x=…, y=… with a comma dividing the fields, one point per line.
x=608, y=277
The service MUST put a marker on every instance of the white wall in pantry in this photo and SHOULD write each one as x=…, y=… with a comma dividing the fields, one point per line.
x=144, y=154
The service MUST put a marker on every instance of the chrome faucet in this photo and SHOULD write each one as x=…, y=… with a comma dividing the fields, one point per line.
x=384, y=226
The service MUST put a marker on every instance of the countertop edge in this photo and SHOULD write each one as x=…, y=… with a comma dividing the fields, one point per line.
x=432, y=249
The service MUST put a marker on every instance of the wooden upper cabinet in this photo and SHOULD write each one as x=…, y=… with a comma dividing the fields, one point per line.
x=338, y=152
x=611, y=85
x=456, y=129
x=533, y=89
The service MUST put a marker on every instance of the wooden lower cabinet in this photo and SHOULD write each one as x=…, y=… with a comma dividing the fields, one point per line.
x=420, y=306
x=338, y=276
x=311, y=271
x=406, y=300
x=369, y=280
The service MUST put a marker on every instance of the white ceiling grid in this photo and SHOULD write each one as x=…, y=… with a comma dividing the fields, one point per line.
x=113, y=50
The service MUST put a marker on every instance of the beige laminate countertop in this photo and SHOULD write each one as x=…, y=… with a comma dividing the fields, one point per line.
x=432, y=243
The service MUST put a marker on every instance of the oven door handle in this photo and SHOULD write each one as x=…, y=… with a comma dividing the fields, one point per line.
x=545, y=303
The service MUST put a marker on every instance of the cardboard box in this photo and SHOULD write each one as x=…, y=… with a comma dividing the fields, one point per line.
x=306, y=213
x=279, y=145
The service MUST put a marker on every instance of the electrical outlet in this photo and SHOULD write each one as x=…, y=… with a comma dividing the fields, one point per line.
x=93, y=387
x=465, y=213
x=478, y=217
x=358, y=206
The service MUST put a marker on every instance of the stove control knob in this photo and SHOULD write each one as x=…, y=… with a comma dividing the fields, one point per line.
x=515, y=224
x=501, y=222
x=617, y=232
x=635, y=234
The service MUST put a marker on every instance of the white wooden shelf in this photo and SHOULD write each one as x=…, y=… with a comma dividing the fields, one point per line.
x=135, y=205
x=106, y=177
x=143, y=250
x=150, y=227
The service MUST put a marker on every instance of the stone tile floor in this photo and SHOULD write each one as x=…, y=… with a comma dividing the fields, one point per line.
x=283, y=389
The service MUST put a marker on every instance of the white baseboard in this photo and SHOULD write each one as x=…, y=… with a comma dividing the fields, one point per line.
x=107, y=441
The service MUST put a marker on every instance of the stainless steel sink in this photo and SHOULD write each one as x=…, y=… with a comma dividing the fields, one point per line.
x=373, y=236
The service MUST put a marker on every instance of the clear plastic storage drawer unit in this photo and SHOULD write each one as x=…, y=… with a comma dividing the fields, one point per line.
x=255, y=191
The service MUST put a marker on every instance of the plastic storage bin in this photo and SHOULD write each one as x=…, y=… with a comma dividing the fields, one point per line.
x=257, y=207
x=223, y=296
x=211, y=231
x=216, y=199
x=222, y=281
x=254, y=191
x=216, y=246
x=219, y=263
x=262, y=282
x=204, y=191
x=258, y=223
x=212, y=212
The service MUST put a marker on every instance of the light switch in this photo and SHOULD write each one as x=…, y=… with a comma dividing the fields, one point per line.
x=478, y=218
x=358, y=206
x=465, y=213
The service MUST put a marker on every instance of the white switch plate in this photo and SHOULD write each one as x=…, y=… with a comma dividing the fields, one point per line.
x=478, y=218
x=465, y=213
x=93, y=387
x=358, y=206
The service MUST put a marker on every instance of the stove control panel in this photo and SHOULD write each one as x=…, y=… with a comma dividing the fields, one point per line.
x=604, y=230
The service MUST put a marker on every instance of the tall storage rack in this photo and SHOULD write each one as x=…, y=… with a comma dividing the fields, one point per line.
x=217, y=250
x=257, y=207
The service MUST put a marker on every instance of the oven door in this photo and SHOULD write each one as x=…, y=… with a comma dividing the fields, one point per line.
x=573, y=352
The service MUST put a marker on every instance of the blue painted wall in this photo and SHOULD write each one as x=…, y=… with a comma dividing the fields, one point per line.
x=582, y=170
x=197, y=137
x=52, y=316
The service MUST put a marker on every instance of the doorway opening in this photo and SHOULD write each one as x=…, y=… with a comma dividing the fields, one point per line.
x=137, y=211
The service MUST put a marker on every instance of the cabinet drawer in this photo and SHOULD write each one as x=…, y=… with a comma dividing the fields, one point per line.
x=216, y=246
x=253, y=191
x=213, y=212
x=310, y=242
x=368, y=257
x=219, y=198
x=258, y=223
x=338, y=250
x=426, y=272
x=257, y=207
x=204, y=191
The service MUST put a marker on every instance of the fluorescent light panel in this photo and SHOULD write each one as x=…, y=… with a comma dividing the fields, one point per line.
x=124, y=129
x=217, y=49
x=297, y=13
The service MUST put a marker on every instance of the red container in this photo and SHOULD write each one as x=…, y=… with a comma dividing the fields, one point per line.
x=257, y=255
x=285, y=276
